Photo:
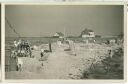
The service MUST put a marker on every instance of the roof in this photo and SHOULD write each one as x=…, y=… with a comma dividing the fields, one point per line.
x=86, y=31
x=60, y=34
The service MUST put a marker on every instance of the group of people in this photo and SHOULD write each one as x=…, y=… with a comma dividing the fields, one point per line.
x=22, y=47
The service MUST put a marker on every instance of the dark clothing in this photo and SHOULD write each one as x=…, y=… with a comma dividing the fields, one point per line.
x=42, y=54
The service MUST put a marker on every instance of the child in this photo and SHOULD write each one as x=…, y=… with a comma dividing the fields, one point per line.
x=42, y=53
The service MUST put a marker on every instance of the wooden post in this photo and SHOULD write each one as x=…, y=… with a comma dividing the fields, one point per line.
x=50, y=47
x=74, y=50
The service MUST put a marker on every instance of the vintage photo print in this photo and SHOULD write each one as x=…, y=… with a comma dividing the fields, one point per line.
x=69, y=42
x=0, y=41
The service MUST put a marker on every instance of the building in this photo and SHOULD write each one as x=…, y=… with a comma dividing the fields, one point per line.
x=87, y=33
x=58, y=35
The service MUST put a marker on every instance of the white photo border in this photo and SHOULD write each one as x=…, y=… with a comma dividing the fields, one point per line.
x=56, y=80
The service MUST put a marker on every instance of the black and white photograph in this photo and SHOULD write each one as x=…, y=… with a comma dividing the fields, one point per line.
x=69, y=42
x=0, y=41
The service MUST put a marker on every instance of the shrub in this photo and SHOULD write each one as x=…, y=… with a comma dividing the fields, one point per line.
x=109, y=68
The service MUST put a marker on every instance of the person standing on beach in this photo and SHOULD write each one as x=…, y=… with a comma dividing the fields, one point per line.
x=42, y=53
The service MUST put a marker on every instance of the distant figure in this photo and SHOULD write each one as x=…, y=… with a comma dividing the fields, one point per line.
x=35, y=47
x=94, y=41
x=110, y=52
x=107, y=42
x=59, y=43
x=19, y=64
x=112, y=41
x=87, y=41
x=27, y=48
x=23, y=52
x=71, y=44
x=19, y=45
x=15, y=43
x=13, y=53
x=72, y=47
x=42, y=53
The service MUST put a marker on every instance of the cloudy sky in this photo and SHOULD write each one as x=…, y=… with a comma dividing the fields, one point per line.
x=45, y=20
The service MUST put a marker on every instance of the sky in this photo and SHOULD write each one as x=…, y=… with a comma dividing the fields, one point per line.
x=45, y=20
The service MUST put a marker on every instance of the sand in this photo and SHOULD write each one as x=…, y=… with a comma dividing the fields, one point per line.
x=60, y=64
